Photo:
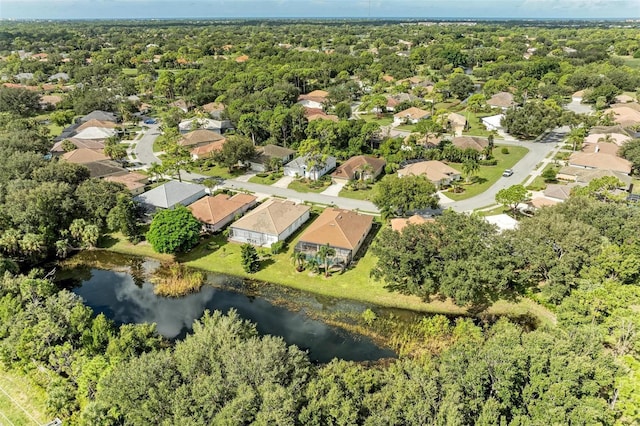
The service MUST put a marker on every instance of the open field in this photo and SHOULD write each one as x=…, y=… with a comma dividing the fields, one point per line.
x=21, y=403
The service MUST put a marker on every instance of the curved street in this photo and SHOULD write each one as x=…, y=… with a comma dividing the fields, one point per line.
x=526, y=167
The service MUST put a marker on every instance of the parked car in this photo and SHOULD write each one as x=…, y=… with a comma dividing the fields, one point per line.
x=150, y=121
x=507, y=173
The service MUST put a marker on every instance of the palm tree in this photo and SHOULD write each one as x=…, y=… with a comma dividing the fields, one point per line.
x=576, y=137
x=156, y=170
x=607, y=139
x=298, y=258
x=313, y=264
x=470, y=167
x=325, y=253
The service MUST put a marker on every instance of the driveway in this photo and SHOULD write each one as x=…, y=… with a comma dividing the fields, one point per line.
x=283, y=182
x=333, y=189
x=144, y=147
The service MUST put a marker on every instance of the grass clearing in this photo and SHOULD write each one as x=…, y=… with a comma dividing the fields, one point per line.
x=17, y=395
x=303, y=186
x=476, y=128
x=270, y=179
x=220, y=171
x=488, y=175
x=383, y=120
x=361, y=194
x=630, y=61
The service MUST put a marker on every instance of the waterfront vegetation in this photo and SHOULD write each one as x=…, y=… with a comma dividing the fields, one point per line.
x=542, y=323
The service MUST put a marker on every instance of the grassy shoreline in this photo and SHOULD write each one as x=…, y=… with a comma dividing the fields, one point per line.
x=354, y=284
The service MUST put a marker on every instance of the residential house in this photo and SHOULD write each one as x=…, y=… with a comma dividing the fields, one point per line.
x=100, y=133
x=616, y=138
x=181, y=104
x=457, y=123
x=502, y=100
x=204, y=151
x=601, y=161
x=105, y=168
x=559, y=192
x=135, y=182
x=540, y=202
x=624, y=99
x=92, y=144
x=99, y=115
x=214, y=109
x=98, y=124
x=399, y=223
x=584, y=176
x=343, y=230
x=47, y=101
x=360, y=167
x=200, y=137
x=84, y=156
x=411, y=115
x=218, y=126
x=626, y=116
x=61, y=76
x=170, y=194
x=439, y=173
x=470, y=142
x=274, y=220
x=262, y=161
x=306, y=168
x=322, y=116
x=215, y=212
x=315, y=99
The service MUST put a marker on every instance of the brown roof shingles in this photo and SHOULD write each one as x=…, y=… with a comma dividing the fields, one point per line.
x=272, y=217
x=339, y=228
x=347, y=169
x=212, y=210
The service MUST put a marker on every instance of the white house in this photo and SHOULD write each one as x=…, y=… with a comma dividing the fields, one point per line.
x=299, y=167
x=315, y=99
x=411, y=115
x=218, y=126
x=274, y=220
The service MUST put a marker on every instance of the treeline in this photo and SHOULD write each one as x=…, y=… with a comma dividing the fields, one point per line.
x=225, y=373
x=49, y=208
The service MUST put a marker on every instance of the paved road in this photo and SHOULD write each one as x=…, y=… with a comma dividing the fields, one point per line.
x=537, y=152
x=144, y=147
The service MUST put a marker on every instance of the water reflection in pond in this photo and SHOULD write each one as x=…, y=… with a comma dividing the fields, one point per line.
x=116, y=295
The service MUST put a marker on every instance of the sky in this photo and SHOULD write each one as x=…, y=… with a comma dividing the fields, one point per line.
x=139, y=9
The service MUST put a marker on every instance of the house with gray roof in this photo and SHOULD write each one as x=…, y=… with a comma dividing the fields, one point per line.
x=306, y=168
x=171, y=194
x=61, y=76
x=99, y=115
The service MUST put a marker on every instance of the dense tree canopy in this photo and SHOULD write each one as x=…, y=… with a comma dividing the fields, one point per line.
x=403, y=195
x=174, y=230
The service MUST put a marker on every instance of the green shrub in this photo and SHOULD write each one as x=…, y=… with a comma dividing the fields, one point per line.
x=491, y=162
x=504, y=150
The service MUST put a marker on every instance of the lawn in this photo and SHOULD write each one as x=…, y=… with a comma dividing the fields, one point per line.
x=385, y=120
x=630, y=61
x=220, y=171
x=270, y=179
x=21, y=403
x=361, y=194
x=538, y=183
x=303, y=186
x=476, y=128
x=488, y=175
x=406, y=127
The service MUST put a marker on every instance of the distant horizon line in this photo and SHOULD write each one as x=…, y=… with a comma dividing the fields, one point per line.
x=319, y=18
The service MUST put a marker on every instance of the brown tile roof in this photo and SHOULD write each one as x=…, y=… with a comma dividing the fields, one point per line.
x=323, y=116
x=604, y=148
x=617, y=138
x=212, y=210
x=200, y=137
x=470, y=142
x=97, y=123
x=625, y=116
x=502, y=100
x=347, y=169
x=434, y=170
x=316, y=95
x=93, y=144
x=338, y=228
x=457, y=120
x=600, y=161
x=559, y=192
x=84, y=156
x=131, y=180
x=399, y=223
x=204, y=150
x=541, y=202
x=388, y=78
x=242, y=58
x=272, y=217
x=587, y=175
x=412, y=113
x=102, y=169
x=213, y=106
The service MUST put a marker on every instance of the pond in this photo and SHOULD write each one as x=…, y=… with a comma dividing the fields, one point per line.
x=126, y=296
